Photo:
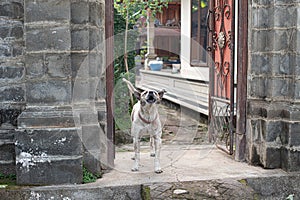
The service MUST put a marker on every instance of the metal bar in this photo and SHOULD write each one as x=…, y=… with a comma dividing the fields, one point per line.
x=109, y=32
x=221, y=99
x=232, y=80
x=223, y=149
x=211, y=70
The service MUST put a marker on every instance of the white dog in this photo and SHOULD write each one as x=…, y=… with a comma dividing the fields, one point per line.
x=145, y=119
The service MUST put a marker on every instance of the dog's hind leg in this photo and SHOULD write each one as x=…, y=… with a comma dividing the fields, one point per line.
x=157, y=146
x=136, y=146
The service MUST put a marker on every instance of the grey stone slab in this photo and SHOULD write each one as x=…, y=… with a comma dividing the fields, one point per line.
x=81, y=90
x=11, y=72
x=285, y=40
x=283, y=64
x=275, y=187
x=49, y=142
x=284, y=15
x=97, y=13
x=273, y=131
x=290, y=159
x=50, y=172
x=292, y=134
x=48, y=156
x=263, y=40
x=48, y=38
x=49, y=91
x=58, y=65
x=282, y=88
x=80, y=39
x=80, y=65
x=262, y=2
x=7, y=153
x=297, y=90
x=35, y=65
x=271, y=157
x=96, y=65
x=88, y=118
x=53, y=10
x=76, y=192
x=292, y=113
x=79, y=12
x=32, y=118
x=12, y=93
x=260, y=64
x=259, y=87
x=13, y=9
x=11, y=28
x=260, y=17
x=96, y=37
x=92, y=161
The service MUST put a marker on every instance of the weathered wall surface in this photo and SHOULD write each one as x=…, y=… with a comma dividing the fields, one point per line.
x=273, y=124
x=12, y=77
x=52, y=89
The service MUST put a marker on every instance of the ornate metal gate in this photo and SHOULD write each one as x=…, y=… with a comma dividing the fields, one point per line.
x=221, y=33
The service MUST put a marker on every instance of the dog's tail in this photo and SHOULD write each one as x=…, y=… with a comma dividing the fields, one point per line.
x=131, y=88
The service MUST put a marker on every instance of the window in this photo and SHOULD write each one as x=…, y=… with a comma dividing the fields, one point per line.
x=199, y=10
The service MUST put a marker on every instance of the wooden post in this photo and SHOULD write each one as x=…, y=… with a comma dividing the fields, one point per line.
x=242, y=65
x=109, y=32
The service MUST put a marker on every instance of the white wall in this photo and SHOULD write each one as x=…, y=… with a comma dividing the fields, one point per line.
x=198, y=73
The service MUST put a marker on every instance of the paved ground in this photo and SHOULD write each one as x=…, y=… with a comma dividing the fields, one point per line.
x=192, y=167
x=181, y=163
x=186, y=155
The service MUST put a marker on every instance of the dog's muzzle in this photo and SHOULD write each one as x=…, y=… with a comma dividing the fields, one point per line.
x=151, y=98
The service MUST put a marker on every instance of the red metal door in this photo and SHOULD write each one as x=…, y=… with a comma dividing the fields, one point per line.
x=221, y=31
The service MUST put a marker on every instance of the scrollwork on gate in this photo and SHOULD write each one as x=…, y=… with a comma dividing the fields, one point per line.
x=222, y=102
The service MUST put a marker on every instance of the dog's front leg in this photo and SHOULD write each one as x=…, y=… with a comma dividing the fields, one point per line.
x=157, y=146
x=152, y=152
x=136, y=146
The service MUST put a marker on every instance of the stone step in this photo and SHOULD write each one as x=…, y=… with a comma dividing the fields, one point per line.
x=7, y=152
x=51, y=117
x=275, y=187
x=48, y=156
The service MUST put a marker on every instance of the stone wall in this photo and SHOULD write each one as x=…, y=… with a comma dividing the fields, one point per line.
x=12, y=78
x=273, y=118
x=52, y=89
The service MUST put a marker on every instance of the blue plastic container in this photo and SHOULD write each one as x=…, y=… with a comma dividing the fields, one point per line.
x=156, y=65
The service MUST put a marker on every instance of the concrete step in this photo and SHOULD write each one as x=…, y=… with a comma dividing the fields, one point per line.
x=275, y=187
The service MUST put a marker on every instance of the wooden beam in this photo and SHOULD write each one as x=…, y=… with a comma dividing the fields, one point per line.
x=109, y=32
x=242, y=65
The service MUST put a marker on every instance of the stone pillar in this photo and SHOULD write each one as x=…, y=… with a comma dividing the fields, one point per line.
x=12, y=76
x=63, y=121
x=273, y=118
x=88, y=60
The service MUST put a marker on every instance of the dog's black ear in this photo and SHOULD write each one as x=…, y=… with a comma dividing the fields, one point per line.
x=161, y=93
x=137, y=95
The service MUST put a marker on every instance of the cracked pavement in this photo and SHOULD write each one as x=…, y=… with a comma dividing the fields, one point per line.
x=186, y=155
x=180, y=163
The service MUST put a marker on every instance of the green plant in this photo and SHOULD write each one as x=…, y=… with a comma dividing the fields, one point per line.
x=119, y=32
x=122, y=102
x=8, y=179
x=131, y=11
x=89, y=177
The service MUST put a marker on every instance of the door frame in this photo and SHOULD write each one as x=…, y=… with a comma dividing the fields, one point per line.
x=242, y=67
x=109, y=48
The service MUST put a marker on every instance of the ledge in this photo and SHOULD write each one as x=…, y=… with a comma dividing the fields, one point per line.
x=190, y=93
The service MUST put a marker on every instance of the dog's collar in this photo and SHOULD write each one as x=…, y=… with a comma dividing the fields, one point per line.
x=146, y=121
